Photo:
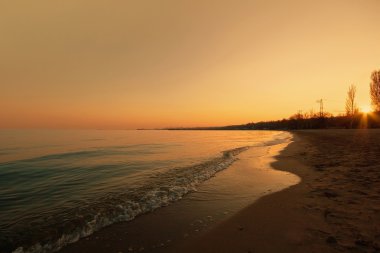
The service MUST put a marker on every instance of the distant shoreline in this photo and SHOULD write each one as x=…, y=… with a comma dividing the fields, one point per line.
x=299, y=122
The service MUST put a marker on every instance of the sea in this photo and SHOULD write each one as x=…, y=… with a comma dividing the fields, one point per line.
x=57, y=186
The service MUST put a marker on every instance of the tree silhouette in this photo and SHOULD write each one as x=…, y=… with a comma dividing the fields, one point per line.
x=351, y=107
x=375, y=90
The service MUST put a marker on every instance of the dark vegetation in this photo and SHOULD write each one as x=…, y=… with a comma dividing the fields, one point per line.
x=361, y=120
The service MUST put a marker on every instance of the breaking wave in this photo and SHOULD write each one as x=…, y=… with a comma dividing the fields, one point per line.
x=49, y=232
x=159, y=190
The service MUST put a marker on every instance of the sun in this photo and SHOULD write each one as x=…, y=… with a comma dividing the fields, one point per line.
x=366, y=109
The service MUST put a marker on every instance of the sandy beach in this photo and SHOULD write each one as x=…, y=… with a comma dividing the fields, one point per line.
x=334, y=209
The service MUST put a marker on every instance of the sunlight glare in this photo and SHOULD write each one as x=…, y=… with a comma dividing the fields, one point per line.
x=366, y=109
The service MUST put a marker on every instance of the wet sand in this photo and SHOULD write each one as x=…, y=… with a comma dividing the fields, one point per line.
x=336, y=207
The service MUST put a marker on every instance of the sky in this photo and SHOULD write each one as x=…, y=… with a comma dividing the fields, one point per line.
x=123, y=64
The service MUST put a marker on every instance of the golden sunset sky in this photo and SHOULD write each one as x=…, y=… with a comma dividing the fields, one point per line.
x=128, y=64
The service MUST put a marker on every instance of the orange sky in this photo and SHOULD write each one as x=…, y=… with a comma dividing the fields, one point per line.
x=128, y=64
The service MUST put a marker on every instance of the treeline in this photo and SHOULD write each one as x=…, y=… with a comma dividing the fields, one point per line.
x=361, y=120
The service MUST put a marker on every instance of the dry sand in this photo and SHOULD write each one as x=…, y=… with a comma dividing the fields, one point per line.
x=336, y=207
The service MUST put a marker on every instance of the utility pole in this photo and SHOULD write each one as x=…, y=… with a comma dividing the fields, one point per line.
x=320, y=102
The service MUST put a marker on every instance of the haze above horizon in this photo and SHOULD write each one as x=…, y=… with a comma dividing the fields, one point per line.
x=153, y=64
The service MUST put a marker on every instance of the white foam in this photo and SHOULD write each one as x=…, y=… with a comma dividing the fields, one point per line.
x=161, y=190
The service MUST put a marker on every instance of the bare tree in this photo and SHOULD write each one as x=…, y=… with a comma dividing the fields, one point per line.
x=297, y=116
x=312, y=114
x=375, y=90
x=351, y=107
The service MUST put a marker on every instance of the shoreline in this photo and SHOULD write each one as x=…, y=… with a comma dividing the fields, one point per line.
x=335, y=208
x=271, y=224
x=215, y=201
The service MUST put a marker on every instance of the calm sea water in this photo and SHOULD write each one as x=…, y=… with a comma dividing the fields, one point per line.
x=59, y=185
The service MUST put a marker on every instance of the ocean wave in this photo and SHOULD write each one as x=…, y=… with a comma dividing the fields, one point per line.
x=52, y=232
x=160, y=189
